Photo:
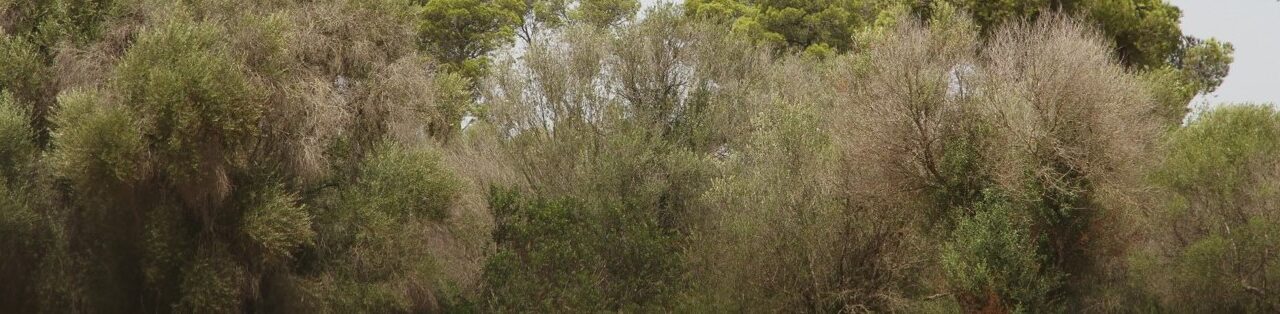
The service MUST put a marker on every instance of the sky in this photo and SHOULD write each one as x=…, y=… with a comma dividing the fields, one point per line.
x=1253, y=27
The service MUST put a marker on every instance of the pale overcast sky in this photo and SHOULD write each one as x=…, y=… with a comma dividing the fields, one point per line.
x=1253, y=26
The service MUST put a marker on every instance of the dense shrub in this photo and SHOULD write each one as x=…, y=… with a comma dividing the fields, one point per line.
x=992, y=262
x=412, y=156
x=619, y=152
x=17, y=146
x=97, y=141
x=1210, y=235
x=195, y=104
x=25, y=78
x=371, y=252
x=199, y=174
x=1074, y=129
x=938, y=128
x=546, y=257
x=33, y=257
x=811, y=246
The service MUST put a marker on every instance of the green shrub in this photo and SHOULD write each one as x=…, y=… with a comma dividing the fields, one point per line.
x=212, y=283
x=76, y=21
x=548, y=255
x=97, y=144
x=453, y=100
x=197, y=107
x=34, y=260
x=992, y=262
x=1171, y=91
x=1213, y=153
x=404, y=182
x=371, y=240
x=17, y=146
x=1212, y=239
x=186, y=190
x=23, y=73
x=276, y=224
x=25, y=79
x=568, y=254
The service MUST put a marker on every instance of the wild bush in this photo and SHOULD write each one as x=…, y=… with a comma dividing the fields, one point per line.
x=411, y=156
x=17, y=144
x=545, y=258
x=371, y=251
x=1208, y=247
x=993, y=258
x=601, y=120
x=33, y=238
x=811, y=246
x=97, y=141
x=1039, y=113
x=25, y=78
x=1074, y=129
x=198, y=173
x=195, y=103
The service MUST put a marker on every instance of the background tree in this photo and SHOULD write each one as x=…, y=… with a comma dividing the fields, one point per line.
x=1147, y=37
x=605, y=13
x=820, y=26
x=1146, y=33
x=462, y=32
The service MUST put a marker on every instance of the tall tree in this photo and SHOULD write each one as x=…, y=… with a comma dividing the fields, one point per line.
x=823, y=26
x=462, y=32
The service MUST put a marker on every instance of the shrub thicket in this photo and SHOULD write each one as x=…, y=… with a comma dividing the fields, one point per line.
x=1211, y=229
x=412, y=156
x=228, y=161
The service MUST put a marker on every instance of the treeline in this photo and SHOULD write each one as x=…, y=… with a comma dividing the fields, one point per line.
x=588, y=156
